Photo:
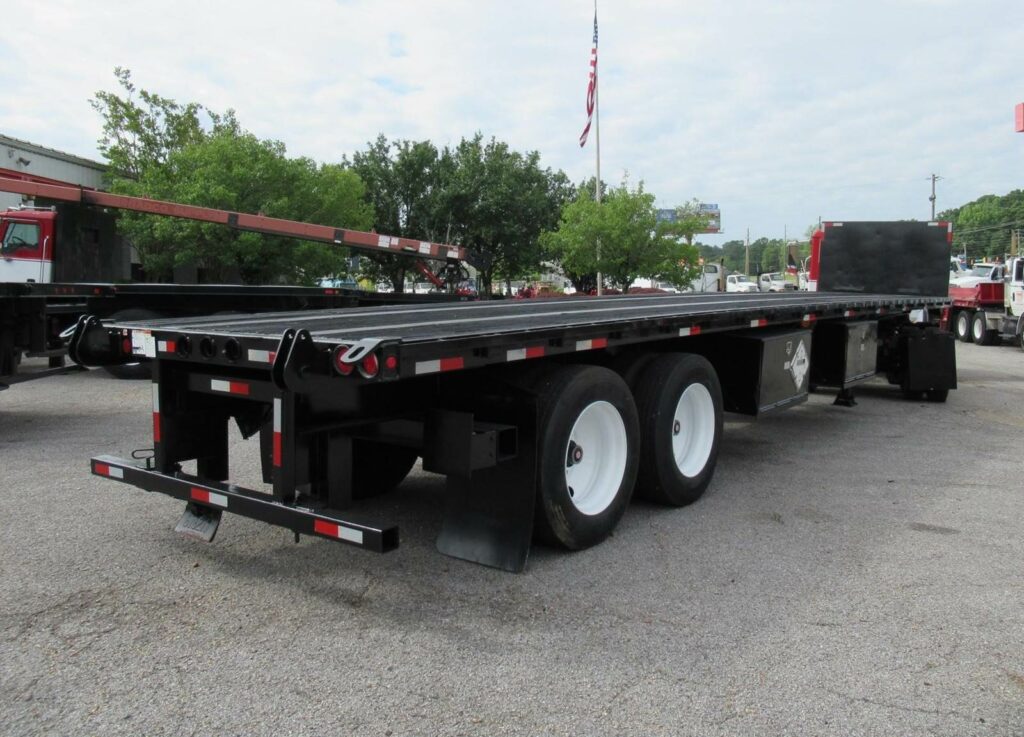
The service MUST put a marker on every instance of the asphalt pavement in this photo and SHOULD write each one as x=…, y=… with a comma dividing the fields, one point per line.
x=851, y=571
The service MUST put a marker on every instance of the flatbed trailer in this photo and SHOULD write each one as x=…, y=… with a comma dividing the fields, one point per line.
x=544, y=416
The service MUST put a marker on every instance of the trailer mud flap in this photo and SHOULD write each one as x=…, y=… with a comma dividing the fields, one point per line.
x=489, y=514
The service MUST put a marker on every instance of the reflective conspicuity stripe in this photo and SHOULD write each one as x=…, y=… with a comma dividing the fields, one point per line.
x=229, y=387
x=277, y=433
x=441, y=364
x=209, y=497
x=758, y=323
x=592, y=344
x=692, y=330
x=256, y=356
x=113, y=472
x=850, y=313
x=809, y=318
x=166, y=346
x=341, y=532
x=519, y=354
x=156, y=413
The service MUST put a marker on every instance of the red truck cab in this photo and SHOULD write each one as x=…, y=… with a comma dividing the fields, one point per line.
x=26, y=244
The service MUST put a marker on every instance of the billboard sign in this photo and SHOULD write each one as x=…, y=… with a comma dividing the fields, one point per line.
x=707, y=210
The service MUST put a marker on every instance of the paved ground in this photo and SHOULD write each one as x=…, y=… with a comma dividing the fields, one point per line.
x=850, y=572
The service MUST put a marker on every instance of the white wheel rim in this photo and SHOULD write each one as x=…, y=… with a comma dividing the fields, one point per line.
x=962, y=324
x=979, y=329
x=595, y=458
x=693, y=430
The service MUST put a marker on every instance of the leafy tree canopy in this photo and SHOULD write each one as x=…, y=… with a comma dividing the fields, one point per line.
x=983, y=228
x=160, y=149
x=632, y=243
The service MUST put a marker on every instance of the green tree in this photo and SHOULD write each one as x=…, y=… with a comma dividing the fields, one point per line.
x=500, y=201
x=239, y=172
x=406, y=186
x=983, y=228
x=141, y=128
x=632, y=243
x=186, y=153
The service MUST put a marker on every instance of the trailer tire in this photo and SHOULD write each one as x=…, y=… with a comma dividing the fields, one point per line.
x=588, y=438
x=962, y=326
x=132, y=371
x=679, y=399
x=378, y=468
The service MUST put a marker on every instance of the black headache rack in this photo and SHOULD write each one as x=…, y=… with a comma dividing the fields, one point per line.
x=340, y=398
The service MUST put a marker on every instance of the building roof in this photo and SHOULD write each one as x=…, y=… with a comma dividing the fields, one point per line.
x=51, y=152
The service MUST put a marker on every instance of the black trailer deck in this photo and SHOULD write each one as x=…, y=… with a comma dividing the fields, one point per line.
x=440, y=337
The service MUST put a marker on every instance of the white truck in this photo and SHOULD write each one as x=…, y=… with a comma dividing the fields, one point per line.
x=740, y=283
x=989, y=305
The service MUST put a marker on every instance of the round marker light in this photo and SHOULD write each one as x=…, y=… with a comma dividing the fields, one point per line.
x=342, y=368
x=391, y=363
x=370, y=366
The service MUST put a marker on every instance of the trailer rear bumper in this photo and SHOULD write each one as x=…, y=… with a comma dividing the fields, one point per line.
x=227, y=497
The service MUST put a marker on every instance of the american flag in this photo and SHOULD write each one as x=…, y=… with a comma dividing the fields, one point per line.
x=591, y=87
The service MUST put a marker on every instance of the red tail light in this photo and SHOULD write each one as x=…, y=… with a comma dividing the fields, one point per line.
x=370, y=366
x=340, y=366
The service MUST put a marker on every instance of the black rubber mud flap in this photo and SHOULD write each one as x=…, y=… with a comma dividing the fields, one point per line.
x=199, y=522
x=488, y=516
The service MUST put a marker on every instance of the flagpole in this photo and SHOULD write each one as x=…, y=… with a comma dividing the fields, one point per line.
x=597, y=147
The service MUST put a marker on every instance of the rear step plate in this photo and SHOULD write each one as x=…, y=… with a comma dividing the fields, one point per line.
x=199, y=522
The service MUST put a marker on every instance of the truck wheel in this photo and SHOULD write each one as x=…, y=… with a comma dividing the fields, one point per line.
x=132, y=371
x=979, y=329
x=588, y=438
x=379, y=468
x=680, y=400
x=962, y=326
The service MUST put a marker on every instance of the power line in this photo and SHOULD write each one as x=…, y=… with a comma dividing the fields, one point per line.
x=970, y=231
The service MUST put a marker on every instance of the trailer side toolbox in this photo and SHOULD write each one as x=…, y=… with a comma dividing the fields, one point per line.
x=845, y=353
x=761, y=372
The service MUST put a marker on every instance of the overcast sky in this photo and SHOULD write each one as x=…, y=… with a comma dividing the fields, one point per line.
x=780, y=112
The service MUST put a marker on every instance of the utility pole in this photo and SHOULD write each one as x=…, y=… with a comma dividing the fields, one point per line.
x=934, y=178
x=746, y=258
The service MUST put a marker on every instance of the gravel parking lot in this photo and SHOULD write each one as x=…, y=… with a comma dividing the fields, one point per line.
x=850, y=572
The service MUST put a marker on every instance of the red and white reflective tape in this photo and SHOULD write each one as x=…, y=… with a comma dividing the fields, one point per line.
x=424, y=248
x=256, y=356
x=277, y=433
x=331, y=529
x=692, y=330
x=386, y=241
x=850, y=313
x=166, y=346
x=440, y=364
x=230, y=387
x=105, y=469
x=758, y=323
x=881, y=310
x=208, y=497
x=156, y=412
x=520, y=354
x=592, y=344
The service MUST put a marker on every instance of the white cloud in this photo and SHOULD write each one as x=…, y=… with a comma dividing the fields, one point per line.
x=778, y=112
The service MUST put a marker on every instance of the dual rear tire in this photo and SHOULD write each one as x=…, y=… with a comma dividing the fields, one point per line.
x=598, y=439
